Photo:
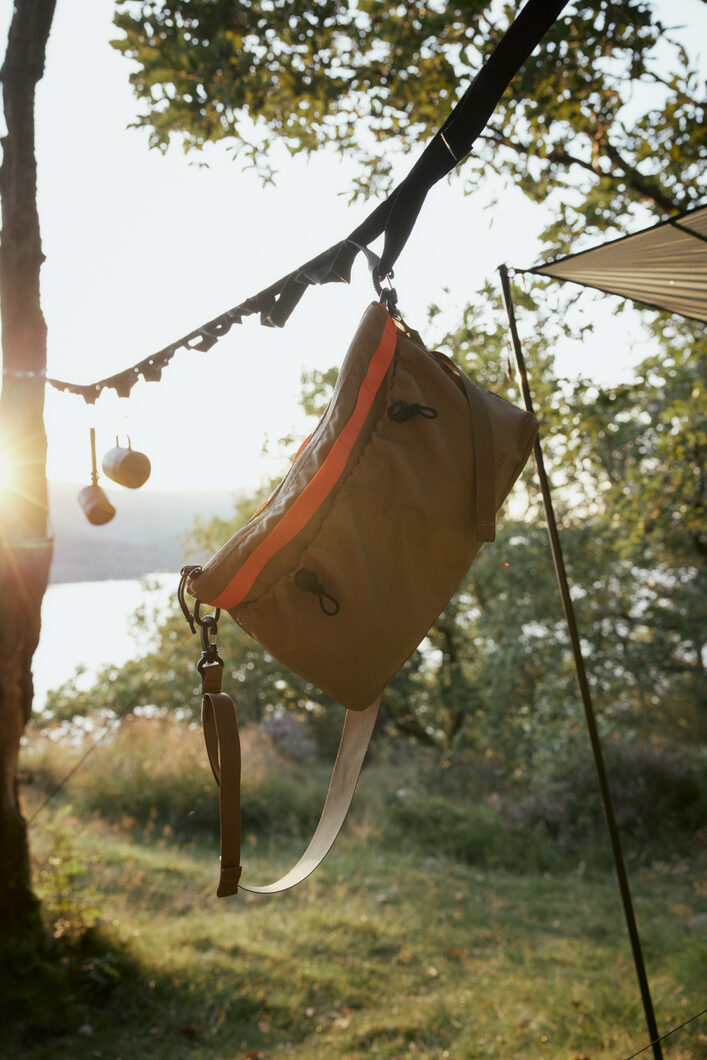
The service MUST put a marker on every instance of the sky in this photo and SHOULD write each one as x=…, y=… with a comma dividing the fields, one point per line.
x=142, y=247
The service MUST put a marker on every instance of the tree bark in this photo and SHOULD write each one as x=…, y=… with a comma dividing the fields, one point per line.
x=25, y=551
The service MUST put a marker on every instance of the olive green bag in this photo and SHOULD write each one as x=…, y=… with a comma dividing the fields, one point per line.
x=343, y=570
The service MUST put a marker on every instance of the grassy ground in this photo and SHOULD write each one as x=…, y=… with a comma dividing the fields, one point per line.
x=383, y=953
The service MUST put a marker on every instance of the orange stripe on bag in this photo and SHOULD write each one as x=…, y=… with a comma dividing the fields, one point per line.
x=321, y=485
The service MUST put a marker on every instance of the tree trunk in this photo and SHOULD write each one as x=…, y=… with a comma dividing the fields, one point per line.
x=25, y=551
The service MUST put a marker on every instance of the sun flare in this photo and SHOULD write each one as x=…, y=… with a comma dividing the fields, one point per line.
x=11, y=480
x=7, y=470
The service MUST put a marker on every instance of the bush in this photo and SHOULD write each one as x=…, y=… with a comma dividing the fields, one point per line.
x=657, y=792
x=473, y=834
x=153, y=773
x=659, y=796
x=290, y=737
x=80, y=962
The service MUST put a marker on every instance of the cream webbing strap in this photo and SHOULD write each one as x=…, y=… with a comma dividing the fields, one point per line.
x=224, y=751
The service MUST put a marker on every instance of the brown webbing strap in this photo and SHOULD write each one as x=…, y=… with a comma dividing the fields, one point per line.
x=223, y=748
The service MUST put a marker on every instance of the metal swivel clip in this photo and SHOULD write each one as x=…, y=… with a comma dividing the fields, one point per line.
x=209, y=639
x=208, y=625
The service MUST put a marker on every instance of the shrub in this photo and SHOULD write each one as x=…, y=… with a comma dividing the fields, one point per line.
x=474, y=834
x=153, y=773
x=659, y=796
x=64, y=885
x=657, y=793
x=289, y=737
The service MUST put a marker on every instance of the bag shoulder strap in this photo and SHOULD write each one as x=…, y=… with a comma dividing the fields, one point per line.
x=483, y=448
x=484, y=460
x=224, y=751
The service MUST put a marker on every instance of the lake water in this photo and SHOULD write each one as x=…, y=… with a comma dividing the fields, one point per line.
x=88, y=624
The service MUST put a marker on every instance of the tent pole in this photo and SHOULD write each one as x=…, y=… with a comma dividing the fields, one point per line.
x=570, y=619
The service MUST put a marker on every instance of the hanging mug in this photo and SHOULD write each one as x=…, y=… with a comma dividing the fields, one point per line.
x=127, y=467
x=96, y=506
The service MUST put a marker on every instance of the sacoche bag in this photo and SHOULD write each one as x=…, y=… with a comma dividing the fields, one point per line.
x=342, y=571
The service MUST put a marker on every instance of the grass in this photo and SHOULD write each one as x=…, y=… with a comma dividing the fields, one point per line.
x=382, y=954
x=390, y=951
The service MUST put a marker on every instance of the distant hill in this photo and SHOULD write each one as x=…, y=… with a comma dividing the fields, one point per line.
x=141, y=539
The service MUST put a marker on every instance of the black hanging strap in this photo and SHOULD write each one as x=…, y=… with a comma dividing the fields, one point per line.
x=467, y=120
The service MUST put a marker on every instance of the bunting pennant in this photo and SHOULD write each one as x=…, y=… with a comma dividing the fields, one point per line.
x=274, y=305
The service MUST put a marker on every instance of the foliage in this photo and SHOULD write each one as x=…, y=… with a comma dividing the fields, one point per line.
x=473, y=835
x=607, y=93
x=645, y=441
x=152, y=774
x=152, y=778
x=658, y=792
x=540, y=821
x=48, y=993
x=70, y=903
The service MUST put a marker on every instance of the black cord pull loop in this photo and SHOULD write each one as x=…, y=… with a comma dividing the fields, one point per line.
x=309, y=583
x=400, y=411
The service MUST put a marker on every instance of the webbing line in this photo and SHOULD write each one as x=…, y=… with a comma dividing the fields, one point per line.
x=667, y=1034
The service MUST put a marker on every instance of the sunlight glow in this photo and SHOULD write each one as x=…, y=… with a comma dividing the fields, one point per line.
x=12, y=484
x=7, y=470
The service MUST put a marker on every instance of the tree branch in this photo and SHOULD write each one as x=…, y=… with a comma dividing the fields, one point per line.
x=646, y=188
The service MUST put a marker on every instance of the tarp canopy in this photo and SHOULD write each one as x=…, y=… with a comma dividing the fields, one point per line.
x=664, y=267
